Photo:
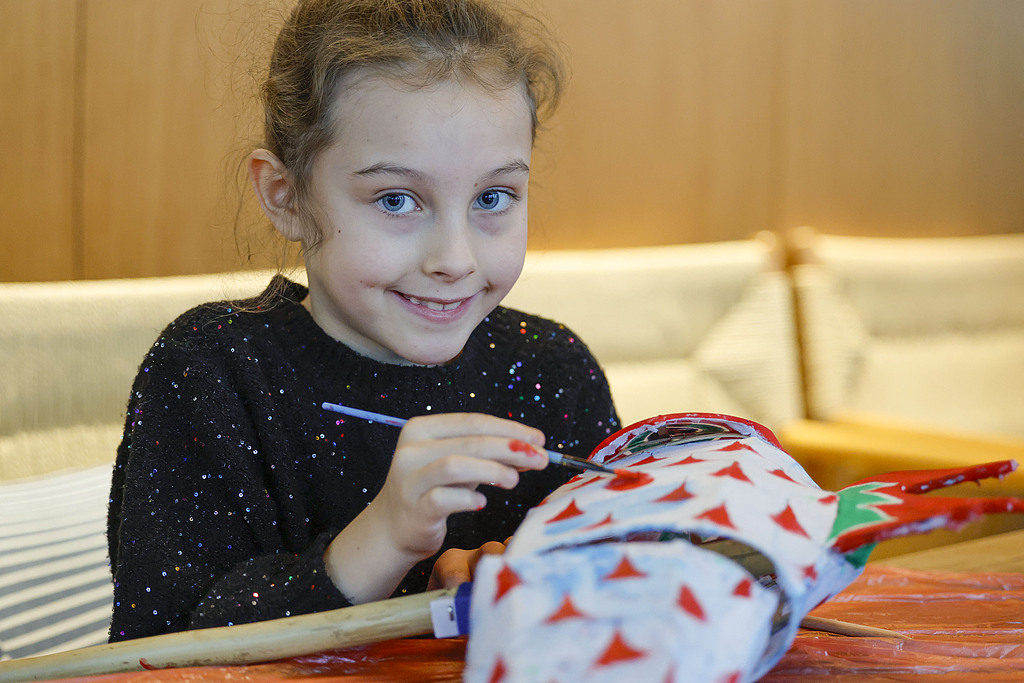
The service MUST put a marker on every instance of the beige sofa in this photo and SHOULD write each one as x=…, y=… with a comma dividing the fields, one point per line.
x=710, y=327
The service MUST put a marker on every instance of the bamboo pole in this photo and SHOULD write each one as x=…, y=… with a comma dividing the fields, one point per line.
x=846, y=628
x=240, y=644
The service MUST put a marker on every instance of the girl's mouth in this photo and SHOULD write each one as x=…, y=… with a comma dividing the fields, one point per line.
x=435, y=305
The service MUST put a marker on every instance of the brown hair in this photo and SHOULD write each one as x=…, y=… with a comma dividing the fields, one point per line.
x=419, y=42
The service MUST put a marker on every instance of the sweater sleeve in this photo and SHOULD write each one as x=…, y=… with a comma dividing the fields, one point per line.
x=194, y=533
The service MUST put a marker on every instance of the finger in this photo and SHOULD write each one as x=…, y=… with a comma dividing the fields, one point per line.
x=441, y=501
x=466, y=472
x=489, y=548
x=511, y=452
x=450, y=425
x=451, y=569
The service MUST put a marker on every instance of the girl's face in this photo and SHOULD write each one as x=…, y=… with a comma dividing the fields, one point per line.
x=423, y=202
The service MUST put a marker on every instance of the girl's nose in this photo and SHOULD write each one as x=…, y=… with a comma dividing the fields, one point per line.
x=449, y=253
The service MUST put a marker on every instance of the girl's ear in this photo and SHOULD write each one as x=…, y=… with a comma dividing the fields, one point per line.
x=275, y=193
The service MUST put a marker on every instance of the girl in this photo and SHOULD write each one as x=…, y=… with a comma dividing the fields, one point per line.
x=398, y=141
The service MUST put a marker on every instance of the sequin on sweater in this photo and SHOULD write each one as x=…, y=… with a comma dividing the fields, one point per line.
x=231, y=481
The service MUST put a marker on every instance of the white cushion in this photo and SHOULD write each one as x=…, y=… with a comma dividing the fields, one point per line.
x=677, y=328
x=55, y=583
x=930, y=331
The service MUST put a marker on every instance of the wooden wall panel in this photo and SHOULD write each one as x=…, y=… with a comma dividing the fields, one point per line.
x=685, y=120
x=903, y=118
x=665, y=132
x=161, y=137
x=37, y=121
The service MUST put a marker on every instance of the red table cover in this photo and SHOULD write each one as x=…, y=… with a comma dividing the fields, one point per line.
x=967, y=624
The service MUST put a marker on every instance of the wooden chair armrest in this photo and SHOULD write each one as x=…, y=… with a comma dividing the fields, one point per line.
x=837, y=453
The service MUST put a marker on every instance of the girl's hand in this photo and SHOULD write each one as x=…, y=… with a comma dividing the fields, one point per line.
x=457, y=566
x=439, y=462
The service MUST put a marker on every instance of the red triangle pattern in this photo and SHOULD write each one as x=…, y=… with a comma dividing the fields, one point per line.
x=507, y=580
x=688, y=460
x=498, y=674
x=788, y=521
x=625, y=570
x=734, y=470
x=779, y=473
x=567, y=610
x=736, y=446
x=619, y=651
x=734, y=677
x=688, y=602
x=647, y=461
x=742, y=589
x=718, y=515
x=829, y=500
x=676, y=496
x=604, y=522
x=569, y=512
x=588, y=482
x=810, y=573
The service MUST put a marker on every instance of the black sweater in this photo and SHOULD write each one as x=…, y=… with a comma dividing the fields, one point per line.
x=231, y=480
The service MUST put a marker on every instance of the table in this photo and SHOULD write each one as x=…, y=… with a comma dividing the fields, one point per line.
x=964, y=625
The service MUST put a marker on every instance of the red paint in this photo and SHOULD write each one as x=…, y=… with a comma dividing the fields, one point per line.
x=688, y=602
x=718, y=515
x=588, y=482
x=569, y=512
x=619, y=651
x=680, y=494
x=688, y=460
x=567, y=610
x=783, y=475
x=735, y=471
x=736, y=446
x=788, y=521
x=146, y=665
x=628, y=479
x=648, y=460
x=604, y=522
x=742, y=589
x=498, y=674
x=517, y=446
x=625, y=570
x=507, y=580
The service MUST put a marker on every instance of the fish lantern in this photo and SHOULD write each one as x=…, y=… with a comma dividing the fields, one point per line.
x=696, y=561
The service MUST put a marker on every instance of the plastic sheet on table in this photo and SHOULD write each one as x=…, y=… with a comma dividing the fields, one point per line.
x=962, y=626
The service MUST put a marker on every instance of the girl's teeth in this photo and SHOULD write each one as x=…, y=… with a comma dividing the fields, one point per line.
x=433, y=305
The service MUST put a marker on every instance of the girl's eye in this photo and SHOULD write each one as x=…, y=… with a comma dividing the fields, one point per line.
x=397, y=203
x=494, y=200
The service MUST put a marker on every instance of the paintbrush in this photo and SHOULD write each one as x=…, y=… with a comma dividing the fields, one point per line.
x=553, y=457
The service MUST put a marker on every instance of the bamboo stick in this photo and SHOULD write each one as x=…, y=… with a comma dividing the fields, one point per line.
x=845, y=628
x=279, y=638
x=240, y=644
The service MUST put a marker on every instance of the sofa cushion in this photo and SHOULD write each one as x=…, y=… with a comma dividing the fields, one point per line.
x=697, y=327
x=929, y=331
x=55, y=583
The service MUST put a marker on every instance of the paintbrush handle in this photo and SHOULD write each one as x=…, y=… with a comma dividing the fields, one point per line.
x=553, y=457
x=578, y=463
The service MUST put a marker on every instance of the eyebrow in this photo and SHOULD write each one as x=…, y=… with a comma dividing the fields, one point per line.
x=385, y=168
x=515, y=166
